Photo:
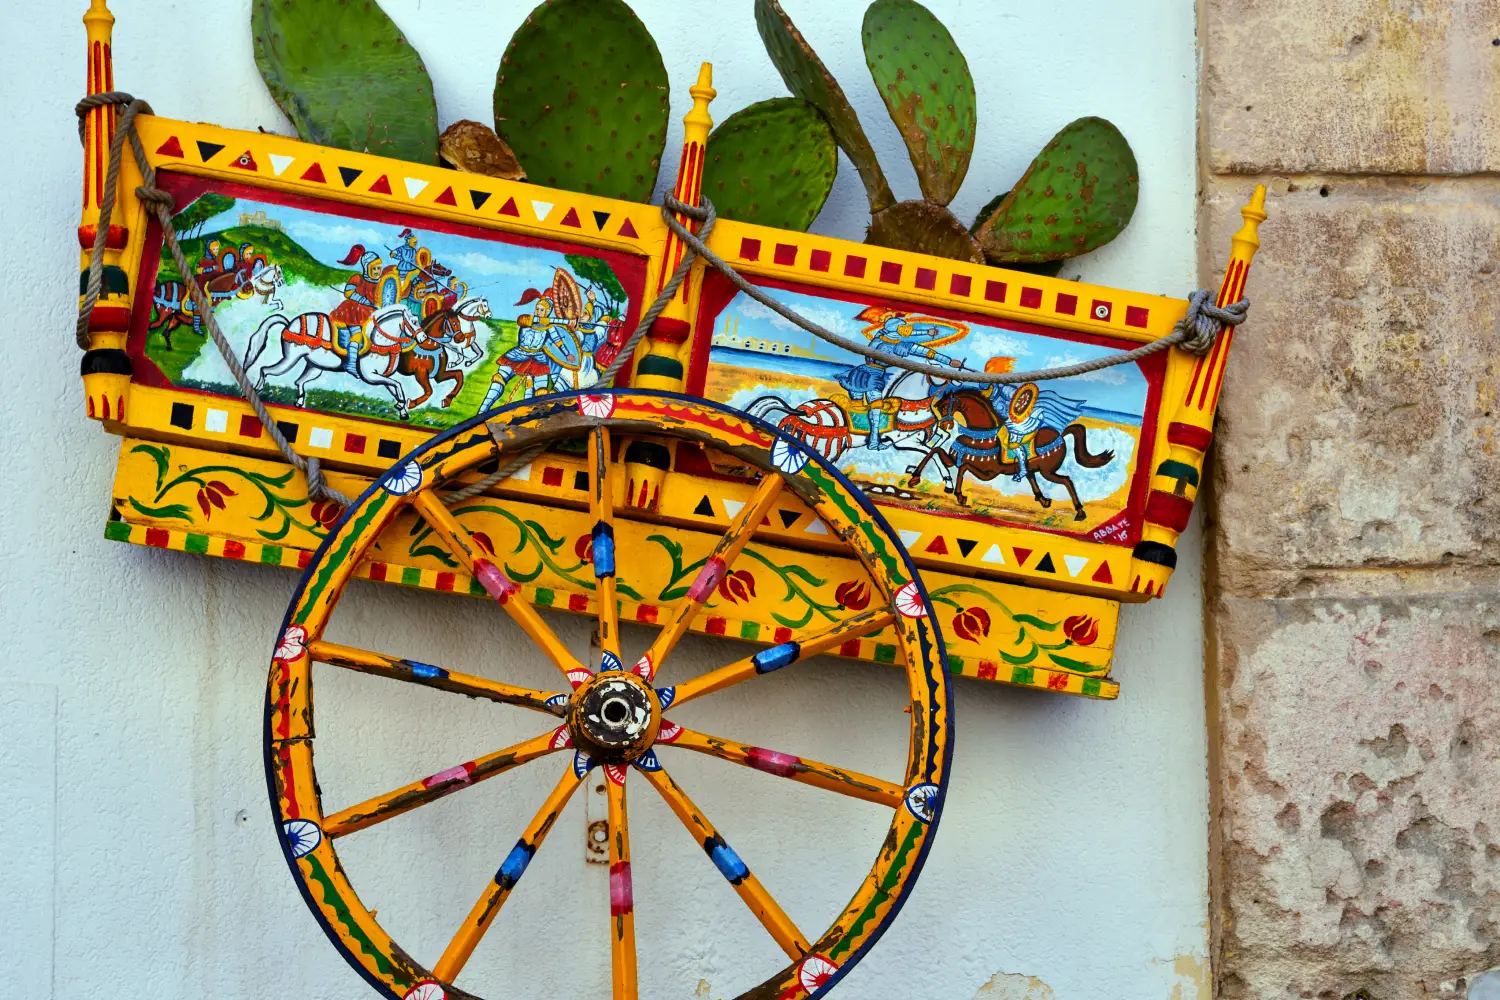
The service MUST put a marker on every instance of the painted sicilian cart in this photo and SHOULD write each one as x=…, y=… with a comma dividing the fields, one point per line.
x=816, y=446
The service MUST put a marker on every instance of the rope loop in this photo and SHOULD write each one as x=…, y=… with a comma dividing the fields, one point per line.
x=160, y=204
x=1205, y=320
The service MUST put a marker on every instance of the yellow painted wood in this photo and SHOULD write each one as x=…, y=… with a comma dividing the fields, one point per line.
x=400, y=669
x=761, y=903
x=462, y=545
x=799, y=769
x=433, y=787
x=484, y=911
x=720, y=564
x=602, y=506
x=810, y=644
x=622, y=893
x=1008, y=652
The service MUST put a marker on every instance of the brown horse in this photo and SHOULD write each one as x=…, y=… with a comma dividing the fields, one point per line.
x=427, y=360
x=979, y=444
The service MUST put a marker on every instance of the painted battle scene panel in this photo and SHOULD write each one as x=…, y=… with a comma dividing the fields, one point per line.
x=1061, y=455
x=376, y=315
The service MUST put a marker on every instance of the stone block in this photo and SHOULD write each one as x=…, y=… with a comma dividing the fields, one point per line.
x=1357, y=425
x=1351, y=86
x=1359, y=753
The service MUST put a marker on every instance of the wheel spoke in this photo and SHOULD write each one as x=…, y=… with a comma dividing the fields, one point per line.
x=602, y=506
x=621, y=892
x=456, y=955
x=718, y=566
x=427, y=675
x=785, y=765
x=457, y=540
x=435, y=786
x=770, y=914
x=781, y=655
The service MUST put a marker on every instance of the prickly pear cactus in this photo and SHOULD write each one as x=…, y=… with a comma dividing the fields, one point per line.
x=346, y=76
x=581, y=97
x=1078, y=194
x=772, y=164
x=923, y=227
x=925, y=83
x=809, y=79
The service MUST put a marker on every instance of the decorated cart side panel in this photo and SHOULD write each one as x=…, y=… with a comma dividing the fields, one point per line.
x=375, y=302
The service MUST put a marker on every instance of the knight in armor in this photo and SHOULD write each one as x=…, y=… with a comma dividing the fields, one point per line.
x=529, y=359
x=404, y=256
x=897, y=337
x=1025, y=410
x=361, y=293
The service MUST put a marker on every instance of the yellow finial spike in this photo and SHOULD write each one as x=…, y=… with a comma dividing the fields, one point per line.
x=98, y=13
x=697, y=122
x=1254, y=214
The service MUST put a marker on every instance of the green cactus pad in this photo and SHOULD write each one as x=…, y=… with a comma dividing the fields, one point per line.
x=581, y=97
x=346, y=76
x=925, y=83
x=807, y=78
x=923, y=227
x=1077, y=195
x=772, y=164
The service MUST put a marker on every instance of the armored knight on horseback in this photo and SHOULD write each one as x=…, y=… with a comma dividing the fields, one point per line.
x=899, y=335
x=361, y=297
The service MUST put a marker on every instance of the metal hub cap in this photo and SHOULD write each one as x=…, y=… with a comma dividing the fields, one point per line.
x=614, y=717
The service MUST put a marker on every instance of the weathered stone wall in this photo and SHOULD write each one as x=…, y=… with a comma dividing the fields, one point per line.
x=1354, y=573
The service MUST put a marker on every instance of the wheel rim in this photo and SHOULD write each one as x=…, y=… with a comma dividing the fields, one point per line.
x=615, y=719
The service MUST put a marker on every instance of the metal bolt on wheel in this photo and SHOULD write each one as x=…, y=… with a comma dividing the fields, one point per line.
x=613, y=719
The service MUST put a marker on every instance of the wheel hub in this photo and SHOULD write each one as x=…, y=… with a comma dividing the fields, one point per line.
x=614, y=717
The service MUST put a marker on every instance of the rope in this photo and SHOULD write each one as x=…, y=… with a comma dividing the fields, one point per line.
x=627, y=349
x=1195, y=332
x=161, y=204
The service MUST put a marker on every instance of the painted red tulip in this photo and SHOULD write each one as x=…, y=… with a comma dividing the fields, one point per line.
x=325, y=513
x=853, y=595
x=972, y=624
x=1082, y=629
x=483, y=541
x=737, y=586
x=212, y=495
x=584, y=548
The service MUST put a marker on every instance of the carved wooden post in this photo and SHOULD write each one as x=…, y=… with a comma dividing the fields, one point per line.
x=106, y=368
x=662, y=366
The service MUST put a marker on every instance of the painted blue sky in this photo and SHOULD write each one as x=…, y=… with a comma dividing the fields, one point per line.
x=491, y=269
x=1122, y=389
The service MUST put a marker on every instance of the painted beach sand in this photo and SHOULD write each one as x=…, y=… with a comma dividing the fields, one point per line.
x=905, y=438
x=379, y=320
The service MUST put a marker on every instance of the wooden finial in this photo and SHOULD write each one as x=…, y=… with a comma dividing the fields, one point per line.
x=98, y=14
x=702, y=92
x=1254, y=214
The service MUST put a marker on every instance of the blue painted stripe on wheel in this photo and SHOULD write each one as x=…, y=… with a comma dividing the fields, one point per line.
x=515, y=864
x=776, y=657
x=728, y=862
x=426, y=670
x=604, y=550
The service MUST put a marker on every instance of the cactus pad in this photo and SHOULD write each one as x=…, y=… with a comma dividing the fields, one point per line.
x=474, y=148
x=923, y=227
x=581, y=97
x=806, y=77
x=1077, y=195
x=346, y=76
x=925, y=83
x=772, y=164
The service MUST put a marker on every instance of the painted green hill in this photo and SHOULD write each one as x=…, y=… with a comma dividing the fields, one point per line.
x=278, y=246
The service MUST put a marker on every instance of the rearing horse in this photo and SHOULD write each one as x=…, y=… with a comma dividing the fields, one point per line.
x=978, y=446
x=310, y=340
x=427, y=359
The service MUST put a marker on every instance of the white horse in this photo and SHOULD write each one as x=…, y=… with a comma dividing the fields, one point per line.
x=308, y=340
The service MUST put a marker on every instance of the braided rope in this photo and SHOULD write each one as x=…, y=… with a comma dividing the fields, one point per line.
x=1195, y=332
x=161, y=205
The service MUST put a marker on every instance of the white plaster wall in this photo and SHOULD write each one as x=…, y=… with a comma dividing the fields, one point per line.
x=139, y=847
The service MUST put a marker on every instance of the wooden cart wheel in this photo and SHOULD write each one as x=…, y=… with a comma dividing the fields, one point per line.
x=613, y=719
